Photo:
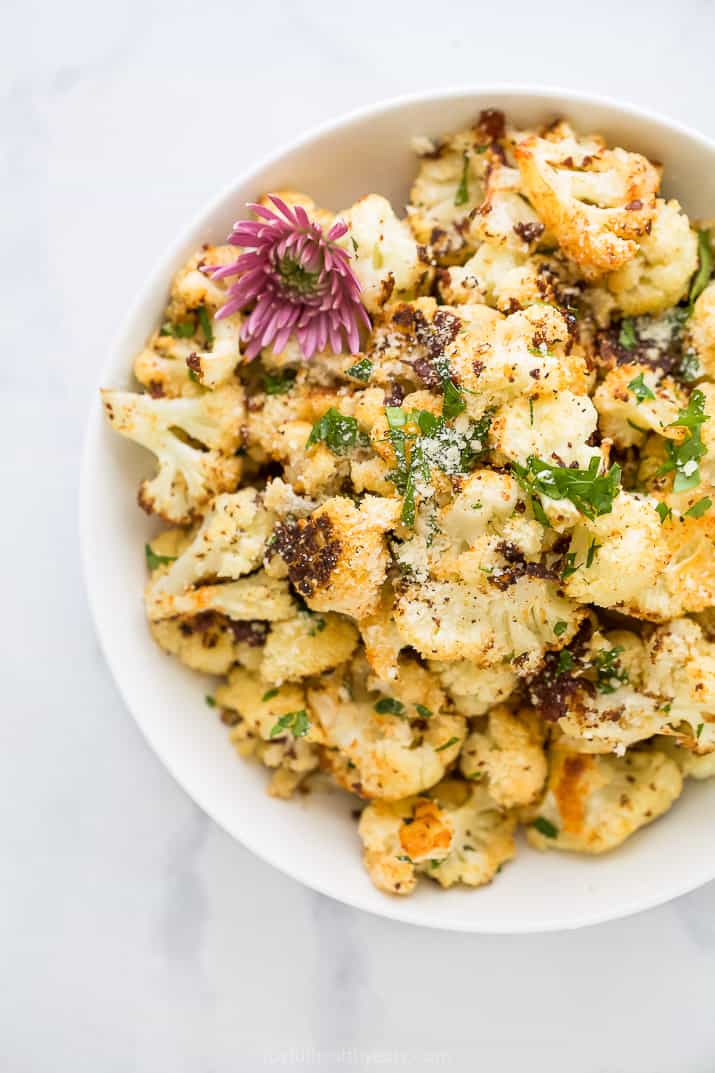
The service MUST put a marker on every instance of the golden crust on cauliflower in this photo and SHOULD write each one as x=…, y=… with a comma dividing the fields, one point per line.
x=456, y=835
x=507, y=756
x=597, y=202
x=594, y=803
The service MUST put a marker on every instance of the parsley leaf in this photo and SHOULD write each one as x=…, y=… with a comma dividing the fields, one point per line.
x=269, y=695
x=462, y=195
x=627, y=336
x=545, y=827
x=182, y=329
x=153, y=560
x=664, y=512
x=570, y=566
x=640, y=389
x=446, y=745
x=560, y=627
x=591, y=492
x=609, y=673
x=361, y=370
x=280, y=383
x=702, y=276
x=341, y=434
x=426, y=713
x=211, y=701
x=565, y=663
x=206, y=326
x=698, y=509
x=453, y=401
x=297, y=722
x=684, y=457
x=698, y=732
x=389, y=706
x=591, y=554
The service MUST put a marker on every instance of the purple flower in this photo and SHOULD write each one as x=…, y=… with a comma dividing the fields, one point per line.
x=300, y=280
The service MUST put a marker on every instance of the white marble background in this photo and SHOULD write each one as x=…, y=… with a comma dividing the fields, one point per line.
x=135, y=936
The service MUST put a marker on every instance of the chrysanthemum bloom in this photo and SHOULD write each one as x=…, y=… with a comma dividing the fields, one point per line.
x=300, y=280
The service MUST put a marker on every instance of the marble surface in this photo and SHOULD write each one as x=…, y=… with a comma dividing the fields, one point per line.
x=135, y=936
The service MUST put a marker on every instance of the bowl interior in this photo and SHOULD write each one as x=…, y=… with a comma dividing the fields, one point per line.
x=314, y=839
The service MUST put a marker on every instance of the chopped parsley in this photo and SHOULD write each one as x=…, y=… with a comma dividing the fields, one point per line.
x=698, y=732
x=545, y=827
x=462, y=195
x=688, y=368
x=389, y=706
x=565, y=663
x=591, y=554
x=531, y=412
x=705, y=268
x=684, y=457
x=318, y=626
x=453, y=402
x=153, y=560
x=340, y=434
x=640, y=389
x=434, y=863
x=269, y=695
x=361, y=370
x=609, y=673
x=194, y=376
x=450, y=741
x=297, y=722
x=560, y=627
x=664, y=512
x=627, y=337
x=211, y=701
x=591, y=492
x=206, y=326
x=426, y=713
x=280, y=383
x=570, y=566
x=182, y=329
x=698, y=509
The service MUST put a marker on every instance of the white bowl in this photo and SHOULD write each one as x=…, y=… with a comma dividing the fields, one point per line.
x=315, y=839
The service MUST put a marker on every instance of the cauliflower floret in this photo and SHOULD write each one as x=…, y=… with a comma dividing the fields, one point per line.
x=505, y=218
x=381, y=638
x=448, y=187
x=634, y=400
x=192, y=287
x=337, y=557
x=215, y=365
x=609, y=702
x=385, y=748
x=274, y=726
x=639, y=566
x=596, y=201
x=659, y=274
x=555, y=426
x=509, y=279
x=230, y=542
x=305, y=645
x=161, y=367
x=457, y=835
x=507, y=756
x=449, y=620
x=593, y=803
x=691, y=765
x=700, y=331
x=680, y=669
x=384, y=253
x=188, y=475
x=474, y=690
x=500, y=359
x=204, y=643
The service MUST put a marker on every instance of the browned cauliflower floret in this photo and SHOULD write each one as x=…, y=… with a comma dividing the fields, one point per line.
x=633, y=400
x=305, y=645
x=456, y=835
x=337, y=557
x=507, y=756
x=381, y=638
x=381, y=746
x=474, y=690
x=554, y=426
x=449, y=620
x=189, y=475
x=509, y=279
x=505, y=217
x=597, y=202
x=274, y=726
x=385, y=255
x=680, y=669
x=659, y=275
x=204, y=643
x=593, y=803
x=450, y=184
